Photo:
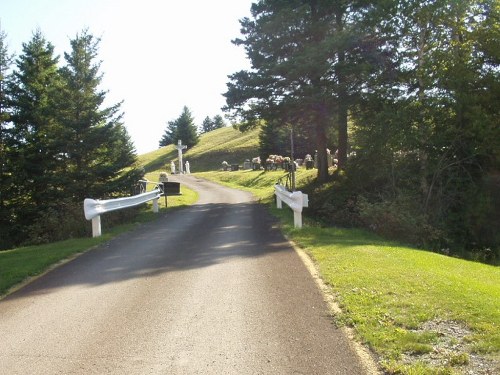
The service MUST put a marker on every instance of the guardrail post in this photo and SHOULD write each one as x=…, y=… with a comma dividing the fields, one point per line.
x=278, y=202
x=295, y=200
x=155, y=205
x=96, y=226
x=297, y=219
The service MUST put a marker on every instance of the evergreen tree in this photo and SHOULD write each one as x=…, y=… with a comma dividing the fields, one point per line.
x=97, y=147
x=100, y=147
x=186, y=129
x=5, y=62
x=5, y=176
x=207, y=125
x=308, y=59
x=218, y=122
x=36, y=148
x=183, y=128
x=169, y=134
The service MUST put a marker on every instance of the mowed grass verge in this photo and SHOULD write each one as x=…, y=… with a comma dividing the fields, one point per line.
x=420, y=312
x=18, y=265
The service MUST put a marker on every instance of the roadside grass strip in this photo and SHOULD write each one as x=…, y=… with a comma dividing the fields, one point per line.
x=400, y=300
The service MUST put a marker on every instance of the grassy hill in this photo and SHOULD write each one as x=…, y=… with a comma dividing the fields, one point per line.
x=225, y=144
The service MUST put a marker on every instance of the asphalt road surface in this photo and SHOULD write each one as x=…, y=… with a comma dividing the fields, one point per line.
x=210, y=289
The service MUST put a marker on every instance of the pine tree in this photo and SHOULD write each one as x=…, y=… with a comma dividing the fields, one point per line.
x=169, y=134
x=6, y=185
x=97, y=147
x=218, y=122
x=35, y=148
x=308, y=60
x=183, y=128
x=207, y=125
x=186, y=129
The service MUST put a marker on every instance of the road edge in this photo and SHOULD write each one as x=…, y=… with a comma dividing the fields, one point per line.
x=364, y=354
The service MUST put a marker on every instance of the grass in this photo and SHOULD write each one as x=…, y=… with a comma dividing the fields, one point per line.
x=387, y=291
x=19, y=264
x=225, y=144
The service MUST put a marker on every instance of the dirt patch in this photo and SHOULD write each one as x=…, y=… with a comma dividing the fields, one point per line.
x=453, y=350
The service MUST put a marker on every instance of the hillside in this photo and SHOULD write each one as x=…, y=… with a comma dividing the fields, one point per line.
x=225, y=144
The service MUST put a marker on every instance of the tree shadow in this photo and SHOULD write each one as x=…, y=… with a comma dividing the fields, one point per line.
x=196, y=237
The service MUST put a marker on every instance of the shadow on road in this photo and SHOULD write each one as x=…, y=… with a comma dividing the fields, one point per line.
x=199, y=236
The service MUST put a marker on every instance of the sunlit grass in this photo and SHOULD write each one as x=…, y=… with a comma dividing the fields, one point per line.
x=386, y=291
x=225, y=144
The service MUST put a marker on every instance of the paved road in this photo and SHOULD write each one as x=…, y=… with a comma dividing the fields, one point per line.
x=211, y=289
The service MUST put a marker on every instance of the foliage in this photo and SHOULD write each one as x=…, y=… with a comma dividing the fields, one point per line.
x=308, y=63
x=182, y=128
x=58, y=144
x=277, y=140
x=98, y=146
x=209, y=124
x=5, y=175
x=419, y=83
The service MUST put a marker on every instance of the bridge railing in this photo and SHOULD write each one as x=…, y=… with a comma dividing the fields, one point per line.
x=94, y=208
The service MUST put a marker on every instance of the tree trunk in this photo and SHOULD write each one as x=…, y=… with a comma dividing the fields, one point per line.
x=342, y=137
x=342, y=98
x=321, y=144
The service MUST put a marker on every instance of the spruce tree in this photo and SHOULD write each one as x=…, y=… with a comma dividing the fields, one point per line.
x=218, y=122
x=207, y=125
x=6, y=185
x=182, y=128
x=97, y=147
x=36, y=151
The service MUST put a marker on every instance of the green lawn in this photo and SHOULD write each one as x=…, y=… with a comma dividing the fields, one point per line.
x=420, y=312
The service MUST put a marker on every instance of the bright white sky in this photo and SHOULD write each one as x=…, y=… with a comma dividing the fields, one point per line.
x=157, y=55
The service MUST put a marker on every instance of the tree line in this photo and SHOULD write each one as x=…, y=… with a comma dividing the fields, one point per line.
x=58, y=142
x=408, y=89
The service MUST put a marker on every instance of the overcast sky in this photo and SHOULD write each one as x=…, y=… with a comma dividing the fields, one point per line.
x=157, y=55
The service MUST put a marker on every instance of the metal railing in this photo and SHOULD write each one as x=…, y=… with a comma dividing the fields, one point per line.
x=94, y=208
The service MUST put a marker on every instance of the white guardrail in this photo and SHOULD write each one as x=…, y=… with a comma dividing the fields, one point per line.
x=94, y=208
x=295, y=200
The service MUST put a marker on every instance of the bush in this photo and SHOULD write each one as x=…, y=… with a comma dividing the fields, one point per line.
x=399, y=218
x=66, y=220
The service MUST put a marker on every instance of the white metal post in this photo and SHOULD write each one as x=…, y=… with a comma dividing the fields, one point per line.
x=155, y=205
x=297, y=219
x=96, y=226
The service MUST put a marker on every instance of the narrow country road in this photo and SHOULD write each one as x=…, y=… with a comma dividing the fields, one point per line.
x=210, y=289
